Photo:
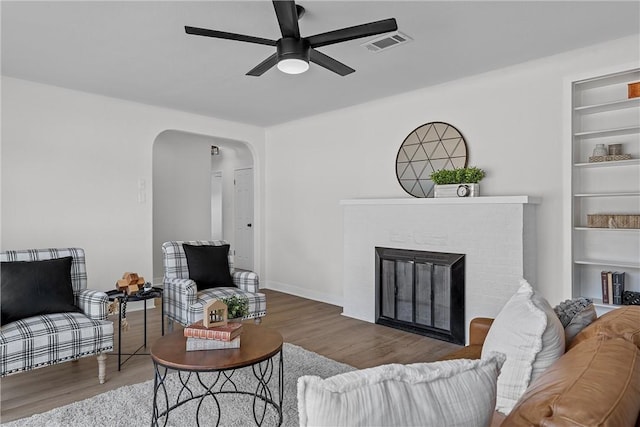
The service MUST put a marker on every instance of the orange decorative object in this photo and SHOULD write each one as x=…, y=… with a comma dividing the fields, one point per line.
x=634, y=90
x=130, y=283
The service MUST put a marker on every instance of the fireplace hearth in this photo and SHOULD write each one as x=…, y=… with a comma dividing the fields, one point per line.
x=421, y=292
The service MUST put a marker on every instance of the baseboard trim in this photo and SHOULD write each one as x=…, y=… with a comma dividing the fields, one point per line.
x=358, y=317
x=302, y=292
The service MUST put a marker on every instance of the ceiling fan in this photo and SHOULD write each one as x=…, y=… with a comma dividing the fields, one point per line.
x=294, y=52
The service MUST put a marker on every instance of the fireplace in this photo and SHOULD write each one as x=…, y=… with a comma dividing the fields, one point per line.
x=497, y=236
x=421, y=292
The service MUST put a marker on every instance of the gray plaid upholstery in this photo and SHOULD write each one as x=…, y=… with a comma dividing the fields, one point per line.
x=182, y=301
x=45, y=340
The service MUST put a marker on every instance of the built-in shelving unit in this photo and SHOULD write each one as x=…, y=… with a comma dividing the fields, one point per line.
x=603, y=114
x=630, y=130
x=608, y=263
x=608, y=106
x=607, y=195
x=608, y=230
x=616, y=163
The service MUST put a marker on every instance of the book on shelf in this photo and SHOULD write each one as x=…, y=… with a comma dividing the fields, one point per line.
x=618, y=287
x=610, y=286
x=221, y=333
x=197, y=344
x=605, y=287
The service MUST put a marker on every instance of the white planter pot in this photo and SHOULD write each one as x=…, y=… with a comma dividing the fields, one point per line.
x=456, y=190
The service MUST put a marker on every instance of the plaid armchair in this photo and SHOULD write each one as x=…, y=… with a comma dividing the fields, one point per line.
x=49, y=339
x=182, y=301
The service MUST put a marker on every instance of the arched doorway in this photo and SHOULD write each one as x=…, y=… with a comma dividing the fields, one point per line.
x=194, y=197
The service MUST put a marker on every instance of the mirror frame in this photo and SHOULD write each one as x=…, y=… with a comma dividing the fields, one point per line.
x=430, y=147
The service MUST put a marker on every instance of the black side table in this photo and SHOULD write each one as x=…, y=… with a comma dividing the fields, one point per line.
x=122, y=300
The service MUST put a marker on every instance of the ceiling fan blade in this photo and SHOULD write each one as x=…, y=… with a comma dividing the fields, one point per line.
x=229, y=36
x=355, y=32
x=287, y=18
x=262, y=67
x=329, y=63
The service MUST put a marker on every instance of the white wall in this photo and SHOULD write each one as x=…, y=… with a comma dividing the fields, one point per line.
x=182, y=186
x=181, y=190
x=71, y=162
x=512, y=120
x=216, y=202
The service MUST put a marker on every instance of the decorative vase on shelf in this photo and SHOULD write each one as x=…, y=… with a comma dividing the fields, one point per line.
x=600, y=150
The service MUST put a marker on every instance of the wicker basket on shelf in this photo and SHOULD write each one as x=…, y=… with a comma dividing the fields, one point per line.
x=609, y=158
x=613, y=221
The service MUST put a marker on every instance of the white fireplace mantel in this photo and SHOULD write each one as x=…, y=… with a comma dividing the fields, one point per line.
x=445, y=201
x=496, y=235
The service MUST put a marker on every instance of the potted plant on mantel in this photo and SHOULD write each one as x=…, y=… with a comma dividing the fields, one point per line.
x=462, y=182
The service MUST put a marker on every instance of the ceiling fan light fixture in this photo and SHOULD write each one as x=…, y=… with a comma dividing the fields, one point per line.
x=293, y=65
x=293, y=55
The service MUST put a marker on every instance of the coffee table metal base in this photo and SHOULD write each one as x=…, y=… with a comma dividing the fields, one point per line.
x=222, y=382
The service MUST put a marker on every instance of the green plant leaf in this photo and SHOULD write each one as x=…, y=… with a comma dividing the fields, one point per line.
x=470, y=175
x=236, y=306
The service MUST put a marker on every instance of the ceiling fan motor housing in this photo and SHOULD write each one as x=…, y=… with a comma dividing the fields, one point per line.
x=290, y=48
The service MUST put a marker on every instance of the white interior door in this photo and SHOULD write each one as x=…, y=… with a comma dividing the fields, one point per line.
x=243, y=203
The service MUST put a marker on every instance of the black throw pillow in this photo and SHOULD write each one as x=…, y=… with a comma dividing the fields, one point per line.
x=209, y=266
x=30, y=288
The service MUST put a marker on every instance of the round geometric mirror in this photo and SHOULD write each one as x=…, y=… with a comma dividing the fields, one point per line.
x=431, y=147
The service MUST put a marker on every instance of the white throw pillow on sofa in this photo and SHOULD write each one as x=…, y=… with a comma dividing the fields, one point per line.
x=452, y=393
x=529, y=333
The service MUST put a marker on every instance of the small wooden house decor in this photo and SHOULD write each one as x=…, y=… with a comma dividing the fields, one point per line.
x=215, y=314
x=130, y=283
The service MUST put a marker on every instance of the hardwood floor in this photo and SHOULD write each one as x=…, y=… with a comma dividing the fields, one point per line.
x=316, y=326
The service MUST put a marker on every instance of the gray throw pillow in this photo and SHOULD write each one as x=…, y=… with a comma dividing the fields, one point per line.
x=575, y=315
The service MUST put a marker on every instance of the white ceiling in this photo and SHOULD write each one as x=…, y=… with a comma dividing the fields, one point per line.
x=139, y=51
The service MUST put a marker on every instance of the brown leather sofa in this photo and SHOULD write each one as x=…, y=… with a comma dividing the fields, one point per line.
x=595, y=383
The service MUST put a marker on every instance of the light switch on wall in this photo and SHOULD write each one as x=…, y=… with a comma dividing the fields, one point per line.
x=142, y=191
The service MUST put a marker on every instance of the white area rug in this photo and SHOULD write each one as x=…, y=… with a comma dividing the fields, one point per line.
x=131, y=405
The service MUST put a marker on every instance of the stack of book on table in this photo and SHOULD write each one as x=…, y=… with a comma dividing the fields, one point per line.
x=200, y=337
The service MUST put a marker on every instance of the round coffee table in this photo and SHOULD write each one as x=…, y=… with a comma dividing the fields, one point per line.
x=258, y=348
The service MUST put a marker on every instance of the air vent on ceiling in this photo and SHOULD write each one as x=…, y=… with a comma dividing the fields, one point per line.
x=387, y=41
